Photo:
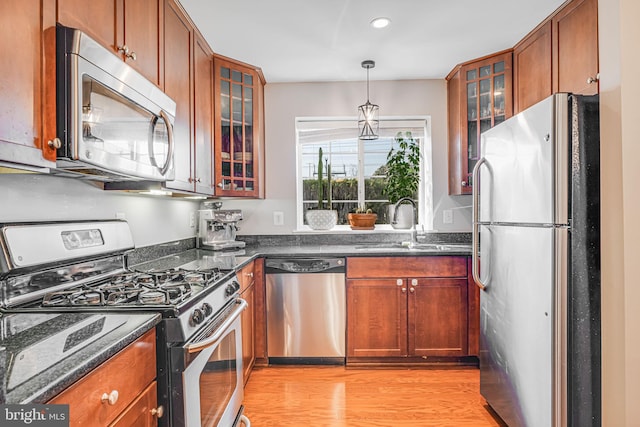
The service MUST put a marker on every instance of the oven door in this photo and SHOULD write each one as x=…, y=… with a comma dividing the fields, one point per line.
x=212, y=380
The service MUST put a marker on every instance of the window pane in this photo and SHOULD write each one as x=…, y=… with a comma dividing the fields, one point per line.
x=358, y=168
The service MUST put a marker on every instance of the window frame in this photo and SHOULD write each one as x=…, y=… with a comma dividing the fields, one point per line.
x=425, y=189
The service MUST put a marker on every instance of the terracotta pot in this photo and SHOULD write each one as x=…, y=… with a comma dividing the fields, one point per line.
x=362, y=221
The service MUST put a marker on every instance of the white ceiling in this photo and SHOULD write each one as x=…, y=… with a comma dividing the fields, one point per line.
x=326, y=40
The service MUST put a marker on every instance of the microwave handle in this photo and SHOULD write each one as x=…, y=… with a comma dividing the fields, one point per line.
x=167, y=164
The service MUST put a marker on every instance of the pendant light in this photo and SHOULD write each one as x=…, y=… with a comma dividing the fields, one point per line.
x=368, y=122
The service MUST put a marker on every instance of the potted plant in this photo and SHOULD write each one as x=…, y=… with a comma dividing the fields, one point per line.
x=320, y=218
x=403, y=178
x=362, y=219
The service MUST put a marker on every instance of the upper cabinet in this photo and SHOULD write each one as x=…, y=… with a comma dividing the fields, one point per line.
x=532, y=68
x=188, y=80
x=239, y=133
x=131, y=29
x=575, y=48
x=560, y=55
x=27, y=83
x=479, y=97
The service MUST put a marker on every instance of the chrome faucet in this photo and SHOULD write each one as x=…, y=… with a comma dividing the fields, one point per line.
x=414, y=231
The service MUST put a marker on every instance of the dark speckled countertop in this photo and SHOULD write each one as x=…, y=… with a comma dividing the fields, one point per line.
x=37, y=362
x=41, y=354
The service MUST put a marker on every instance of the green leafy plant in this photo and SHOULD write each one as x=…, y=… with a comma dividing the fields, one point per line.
x=403, y=168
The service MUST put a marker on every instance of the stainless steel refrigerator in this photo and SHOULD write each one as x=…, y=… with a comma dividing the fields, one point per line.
x=536, y=230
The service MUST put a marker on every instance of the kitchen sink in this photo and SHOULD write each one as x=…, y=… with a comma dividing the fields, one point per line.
x=434, y=247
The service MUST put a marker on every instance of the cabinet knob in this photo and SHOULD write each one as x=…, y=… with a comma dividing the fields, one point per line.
x=54, y=143
x=111, y=398
x=132, y=56
x=464, y=183
x=249, y=274
x=404, y=290
x=412, y=290
x=591, y=80
x=123, y=49
x=220, y=184
x=158, y=412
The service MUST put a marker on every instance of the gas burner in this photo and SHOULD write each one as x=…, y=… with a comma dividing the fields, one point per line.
x=145, y=278
x=153, y=297
x=87, y=298
x=124, y=279
x=122, y=297
x=195, y=278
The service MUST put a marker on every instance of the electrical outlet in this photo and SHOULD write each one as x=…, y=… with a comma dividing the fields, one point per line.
x=192, y=219
x=447, y=216
x=278, y=218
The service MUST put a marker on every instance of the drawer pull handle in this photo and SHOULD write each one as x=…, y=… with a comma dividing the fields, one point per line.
x=399, y=282
x=111, y=398
x=249, y=274
x=158, y=412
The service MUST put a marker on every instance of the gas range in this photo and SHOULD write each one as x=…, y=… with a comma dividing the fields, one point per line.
x=80, y=269
x=81, y=266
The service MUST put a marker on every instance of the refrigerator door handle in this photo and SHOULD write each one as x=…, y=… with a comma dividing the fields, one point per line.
x=476, y=226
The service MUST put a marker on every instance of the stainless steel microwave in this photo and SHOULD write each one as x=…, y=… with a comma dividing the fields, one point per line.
x=112, y=123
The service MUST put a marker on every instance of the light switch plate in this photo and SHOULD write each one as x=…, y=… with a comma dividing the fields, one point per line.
x=278, y=218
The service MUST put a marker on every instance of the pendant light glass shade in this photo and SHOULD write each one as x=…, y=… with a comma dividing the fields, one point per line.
x=368, y=123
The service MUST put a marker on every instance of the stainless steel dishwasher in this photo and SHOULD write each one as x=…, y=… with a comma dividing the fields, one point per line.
x=306, y=310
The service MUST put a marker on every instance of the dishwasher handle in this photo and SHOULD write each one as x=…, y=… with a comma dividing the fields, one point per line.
x=304, y=265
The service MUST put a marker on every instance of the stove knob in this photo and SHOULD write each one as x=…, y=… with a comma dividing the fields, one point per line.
x=229, y=290
x=206, y=309
x=197, y=317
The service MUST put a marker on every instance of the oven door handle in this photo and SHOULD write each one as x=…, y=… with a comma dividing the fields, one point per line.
x=209, y=341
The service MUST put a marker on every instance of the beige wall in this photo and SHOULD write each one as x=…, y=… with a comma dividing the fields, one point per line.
x=286, y=101
x=620, y=148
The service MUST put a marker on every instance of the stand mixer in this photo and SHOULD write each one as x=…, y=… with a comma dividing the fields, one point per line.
x=217, y=228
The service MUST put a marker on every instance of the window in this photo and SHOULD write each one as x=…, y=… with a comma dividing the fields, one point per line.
x=357, y=167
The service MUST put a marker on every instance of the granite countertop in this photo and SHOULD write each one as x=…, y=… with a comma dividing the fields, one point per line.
x=41, y=354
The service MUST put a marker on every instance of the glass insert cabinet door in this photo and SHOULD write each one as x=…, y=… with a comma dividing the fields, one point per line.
x=237, y=127
x=487, y=101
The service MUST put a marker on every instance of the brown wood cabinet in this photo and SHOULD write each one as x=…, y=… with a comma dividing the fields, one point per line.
x=120, y=390
x=27, y=82
x=560, y=55
x=239, y=129
x=532, y=80
x=479, y=96
x=131, y=29
x=248, y=318
x=409, y=307
x=188, y=80
x=178, y=84
x=575, y=48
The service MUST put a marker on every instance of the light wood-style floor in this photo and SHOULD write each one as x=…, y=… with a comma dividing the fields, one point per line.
x=337, y=397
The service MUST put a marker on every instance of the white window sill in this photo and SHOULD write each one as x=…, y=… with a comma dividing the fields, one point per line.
x=341, y=229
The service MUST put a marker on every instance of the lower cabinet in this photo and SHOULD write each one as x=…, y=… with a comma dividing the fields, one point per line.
x=409, y=307
x=120, y=392
x=248, y=318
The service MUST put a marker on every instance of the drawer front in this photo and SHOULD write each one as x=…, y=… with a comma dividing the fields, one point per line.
x=128, y=373
x=423, y=266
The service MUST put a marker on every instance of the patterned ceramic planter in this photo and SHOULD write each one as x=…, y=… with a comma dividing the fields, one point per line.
x=322, y=219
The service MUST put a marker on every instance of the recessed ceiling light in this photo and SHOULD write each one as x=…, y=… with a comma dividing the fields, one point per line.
x=380, y=22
